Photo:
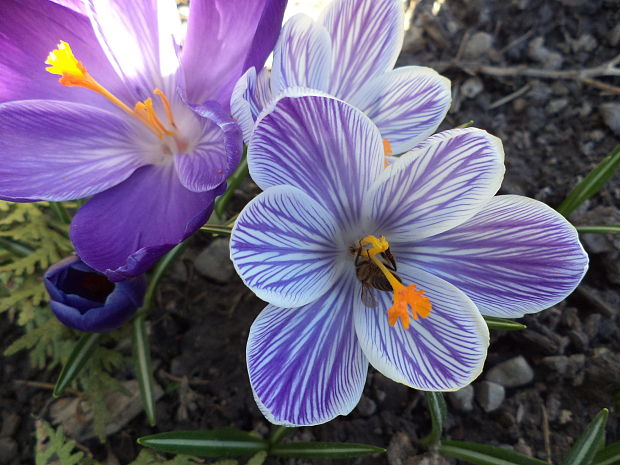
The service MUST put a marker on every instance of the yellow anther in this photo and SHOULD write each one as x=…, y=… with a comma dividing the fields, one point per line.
x=387, y=152
x=376, y=245
x=167, y=107
x=63, y=62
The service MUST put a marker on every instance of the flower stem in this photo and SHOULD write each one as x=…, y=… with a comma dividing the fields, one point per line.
x=234, y=181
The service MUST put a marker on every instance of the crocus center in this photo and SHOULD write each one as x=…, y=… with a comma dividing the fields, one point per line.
x=74, y=74
x=408, y=301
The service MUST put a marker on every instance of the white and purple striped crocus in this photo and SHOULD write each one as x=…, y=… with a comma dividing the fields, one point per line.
x=137, y=120
x=329, y=208
x=350, y=53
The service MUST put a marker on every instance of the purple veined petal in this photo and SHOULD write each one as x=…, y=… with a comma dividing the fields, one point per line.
x=284, y=248
x=438, y=185
x=442, y=352
x=138, y=38
x=305, y=364
x=29, y=30
x=121, y=232
x=407, y=104
x=62, y=151
x=302, y=57
x=250, y=95
x=217, y=154
x=76, y=5
x=366, y=36
x=516, y=256
x=320, y=144
x=230, y=37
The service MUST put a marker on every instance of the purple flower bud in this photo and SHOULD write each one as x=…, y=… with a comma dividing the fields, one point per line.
x=84, y=299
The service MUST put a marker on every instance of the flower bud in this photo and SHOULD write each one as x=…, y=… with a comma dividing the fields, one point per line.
x=84, y=299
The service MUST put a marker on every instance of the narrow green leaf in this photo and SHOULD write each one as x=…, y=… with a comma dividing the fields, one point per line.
x=258, y=458
x=588, y=444
x=599, y=229
x=79, y=356
x=61, y=212
x=502, y=324
x=158, y=272
x=223, y=442
x=437, y=408
x=483, y=454
x=465, y=125
x=217, y=229
x=279, y=433
x=15, y=247
x=324, y=450
x=592, y=183
x=609, y=455
x=142, y=365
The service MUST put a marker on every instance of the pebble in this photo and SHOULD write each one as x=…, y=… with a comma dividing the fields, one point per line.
x=400, y=449
x=472, y=87
x=463, y=399
x=513, y=372
x=548, y=58
x=8, y=450
x=477, y=45
x=565, y=366
x=490, y=395
x=366, y=406
x=611, y=116
x=556, y=105
x=592, y=324
x=214, y=262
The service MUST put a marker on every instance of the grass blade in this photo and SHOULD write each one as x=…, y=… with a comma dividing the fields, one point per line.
x=610, y=455
x=599, y=229
x=503, y=324
x=483, y=454
x=589, y=443
x=324, y=450
x=79, y=356
x=279, y=433
x=143, y=367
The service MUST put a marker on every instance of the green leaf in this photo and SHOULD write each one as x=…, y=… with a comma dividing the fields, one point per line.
x=599, y=229
x=258, y=458
x=588, y=444
x=324, y=450
x=223, y=442
x=465, y=125
x=79, y=356
x=437, y=408
x=143, y=367
x=609, y=455
x=502, y=324
x=592, y=182
x=279, y=433
x=483, y=454
x=217, y=229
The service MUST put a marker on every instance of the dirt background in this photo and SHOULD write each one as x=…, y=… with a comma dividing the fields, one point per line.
x=555, y=129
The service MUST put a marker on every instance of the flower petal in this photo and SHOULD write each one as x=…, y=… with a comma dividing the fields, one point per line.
x=121, y=232
x=283, y=247
x=305, y=364
x=138, y=38
x=29, y=30
x=60, y=151
x=367, y=36
x=516, y=256
x=441, y=183
x=442, y=352
x=231, y=37
x=250, y=95
x=217, y=154
x=302, y=56
x=407, y=104
x=321, y=145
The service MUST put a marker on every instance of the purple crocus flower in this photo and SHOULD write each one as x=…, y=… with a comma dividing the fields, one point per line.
x=393, y=266
x=135, y=121
x=350, y=53
x=83, y=299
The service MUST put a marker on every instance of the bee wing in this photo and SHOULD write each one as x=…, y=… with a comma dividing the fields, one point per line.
x=368, y=297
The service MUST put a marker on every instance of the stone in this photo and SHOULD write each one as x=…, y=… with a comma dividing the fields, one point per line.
x=463, y=399
x=490, y=395
x=538, y=52
x=556, y=105
x=471, y=87
x=513, y=372
x=366, y=406
x=400, y=449
x=214, y=262
x=565, y=366
x=477, y=45
x=431, y=458
x=611, y=116
x=8, y=450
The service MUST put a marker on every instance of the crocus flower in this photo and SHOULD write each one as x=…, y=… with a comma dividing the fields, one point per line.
x=350, y=52
x=393, y=266
x=83, y=299
x=135, y=121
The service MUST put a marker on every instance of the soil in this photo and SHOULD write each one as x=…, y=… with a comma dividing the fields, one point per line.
x=554, y=133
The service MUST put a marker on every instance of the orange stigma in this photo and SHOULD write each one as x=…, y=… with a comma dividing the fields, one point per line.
x=74, y=74
x=408, y=300
x=387, y=152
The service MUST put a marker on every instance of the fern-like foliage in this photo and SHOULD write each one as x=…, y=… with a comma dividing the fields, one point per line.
x=53, y=447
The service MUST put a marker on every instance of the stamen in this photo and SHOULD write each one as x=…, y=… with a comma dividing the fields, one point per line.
x=387, y=152
x=408, y=300
x=74, y=74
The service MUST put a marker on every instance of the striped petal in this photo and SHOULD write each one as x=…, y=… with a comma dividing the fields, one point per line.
x=250, y=95
x=305, y=364
x=407, y=104
x=302, y=56
x=516, y=256
x=54, y=150
x=366, y=36
x=438, y=185
x=442, y=352
x=321, y=145
x=283, y=247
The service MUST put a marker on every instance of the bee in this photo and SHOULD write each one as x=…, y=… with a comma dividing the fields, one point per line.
x=371, y=276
